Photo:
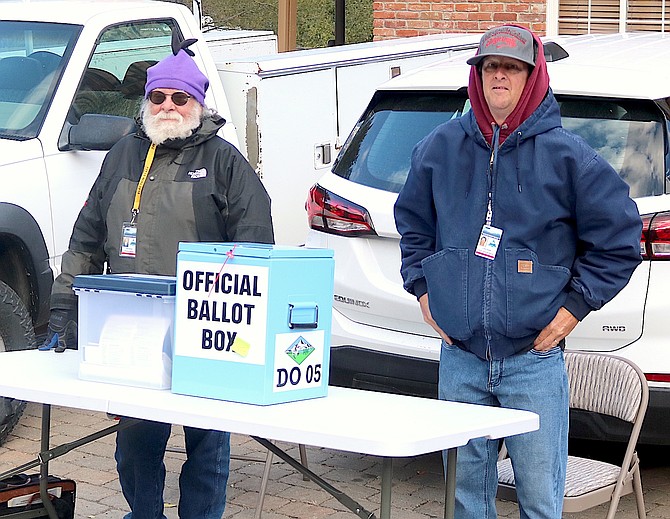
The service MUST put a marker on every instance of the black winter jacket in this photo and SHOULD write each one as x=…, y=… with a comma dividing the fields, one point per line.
x=198, y=189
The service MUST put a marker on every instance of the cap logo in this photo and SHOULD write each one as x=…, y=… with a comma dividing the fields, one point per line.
x=501, y=42
x=505, y=38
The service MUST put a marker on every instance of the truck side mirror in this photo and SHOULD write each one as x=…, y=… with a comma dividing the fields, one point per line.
x=95, y=132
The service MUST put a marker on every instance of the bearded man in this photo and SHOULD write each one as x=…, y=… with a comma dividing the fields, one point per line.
x=174, y=180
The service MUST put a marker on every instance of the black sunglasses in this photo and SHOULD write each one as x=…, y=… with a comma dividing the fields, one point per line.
x=179, y=98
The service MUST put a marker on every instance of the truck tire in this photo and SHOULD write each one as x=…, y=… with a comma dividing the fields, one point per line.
x=16, y=333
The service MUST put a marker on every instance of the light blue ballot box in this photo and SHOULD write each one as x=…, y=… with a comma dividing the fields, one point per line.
x=252, y=322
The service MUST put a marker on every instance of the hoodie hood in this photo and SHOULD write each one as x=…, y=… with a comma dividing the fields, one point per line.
x=533, y=93
x=544, y=118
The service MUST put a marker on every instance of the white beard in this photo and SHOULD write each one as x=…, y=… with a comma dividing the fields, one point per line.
x=170, y=125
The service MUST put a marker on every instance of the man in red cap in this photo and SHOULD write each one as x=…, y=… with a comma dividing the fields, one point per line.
x=512, y=230
x=174, y=180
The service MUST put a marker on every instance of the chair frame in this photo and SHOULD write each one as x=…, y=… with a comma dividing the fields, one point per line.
x=628, y=480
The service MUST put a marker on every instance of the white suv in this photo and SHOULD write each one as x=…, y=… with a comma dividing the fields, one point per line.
x=614, y=90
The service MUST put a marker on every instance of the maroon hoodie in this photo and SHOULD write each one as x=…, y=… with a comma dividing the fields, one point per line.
x=531, y=97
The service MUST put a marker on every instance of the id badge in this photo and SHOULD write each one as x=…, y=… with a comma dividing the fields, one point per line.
x=128, y=247
x=489, y=241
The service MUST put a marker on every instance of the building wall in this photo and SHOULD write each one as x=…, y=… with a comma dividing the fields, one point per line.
x=393, y=19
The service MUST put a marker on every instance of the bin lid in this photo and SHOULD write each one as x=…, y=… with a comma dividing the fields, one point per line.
x=133, y=283
x=255, y=250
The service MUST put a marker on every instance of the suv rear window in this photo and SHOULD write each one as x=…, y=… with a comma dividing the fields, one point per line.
x=627, y=133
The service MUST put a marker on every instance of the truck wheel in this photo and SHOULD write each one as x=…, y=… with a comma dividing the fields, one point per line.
x=16, y=333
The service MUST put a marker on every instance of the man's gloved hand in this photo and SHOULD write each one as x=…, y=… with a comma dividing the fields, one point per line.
x=62, y=331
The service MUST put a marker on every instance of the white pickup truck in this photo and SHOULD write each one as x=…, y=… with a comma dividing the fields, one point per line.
x=71, y=79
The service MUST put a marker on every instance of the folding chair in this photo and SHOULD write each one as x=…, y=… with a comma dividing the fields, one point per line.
x=608, y=385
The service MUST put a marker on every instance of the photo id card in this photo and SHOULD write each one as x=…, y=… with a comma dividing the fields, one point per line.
x=128, y=248
x=489, y=241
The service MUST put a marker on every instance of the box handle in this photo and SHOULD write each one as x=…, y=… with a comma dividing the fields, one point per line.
x=303, y=315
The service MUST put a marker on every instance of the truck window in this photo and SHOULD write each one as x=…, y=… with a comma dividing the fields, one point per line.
x=32, y=57
x=113, y=83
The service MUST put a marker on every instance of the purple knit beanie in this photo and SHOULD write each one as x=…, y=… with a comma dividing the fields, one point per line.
x=178, y=71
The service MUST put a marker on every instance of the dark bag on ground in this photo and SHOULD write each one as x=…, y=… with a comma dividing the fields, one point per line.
x=20, y=494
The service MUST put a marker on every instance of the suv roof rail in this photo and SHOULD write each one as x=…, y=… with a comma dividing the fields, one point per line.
x=554, y=52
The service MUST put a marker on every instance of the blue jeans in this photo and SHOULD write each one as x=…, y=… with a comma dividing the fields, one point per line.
x=202, y=483
x=533, y=381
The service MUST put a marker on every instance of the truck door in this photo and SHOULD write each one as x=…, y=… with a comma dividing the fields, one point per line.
x=112, y=84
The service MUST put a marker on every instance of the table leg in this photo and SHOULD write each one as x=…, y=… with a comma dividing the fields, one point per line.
x=450, y=485
x=387, y=481
x=44, y=465
x=337, y=494
x=264, y=485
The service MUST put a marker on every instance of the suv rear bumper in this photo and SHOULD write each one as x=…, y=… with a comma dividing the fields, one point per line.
x=360, y=368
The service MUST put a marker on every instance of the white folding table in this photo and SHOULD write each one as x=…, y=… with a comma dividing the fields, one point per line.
x=367, y=422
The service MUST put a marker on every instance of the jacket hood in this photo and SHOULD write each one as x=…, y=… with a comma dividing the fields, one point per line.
x=546, y=117
x=533, y=93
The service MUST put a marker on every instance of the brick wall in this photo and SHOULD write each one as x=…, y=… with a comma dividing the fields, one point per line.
x=420, y=17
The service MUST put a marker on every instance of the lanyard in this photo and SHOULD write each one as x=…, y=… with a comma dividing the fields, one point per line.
x=495, y=144
x=143, y=179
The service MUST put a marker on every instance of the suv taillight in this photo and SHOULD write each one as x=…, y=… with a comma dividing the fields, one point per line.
x=330, y=213
x=655, y=241
x=657, y=377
